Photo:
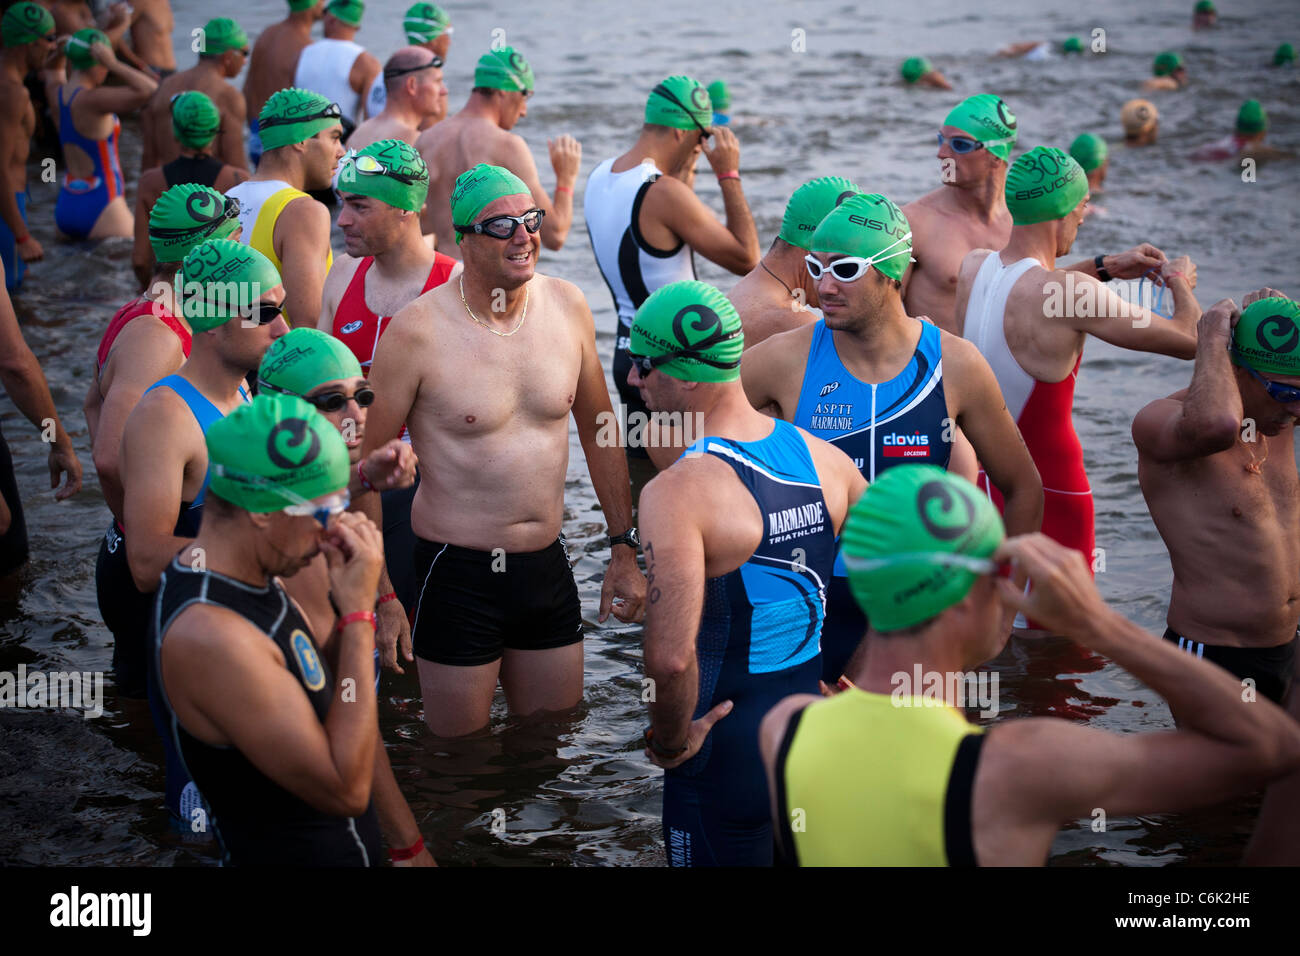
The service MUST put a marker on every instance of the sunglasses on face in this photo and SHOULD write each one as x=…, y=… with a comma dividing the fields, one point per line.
x=1282, y=394
x=668, y=95
x=330, y=112
x=264, y=313
x=370, y=166
x=393, y=74
x=336, y=401
x=503, y=227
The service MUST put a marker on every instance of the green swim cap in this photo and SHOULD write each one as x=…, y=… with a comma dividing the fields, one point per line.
x=810, y=204
x=988, y=119
x=695, y=316
x=1089, y=151
x=186, y=215
x=221, y=34
x=676, y=100
x=719, y=96
x=296, y=5
x=503, y=69
x=368, y=172
x=1267, y=337
x=1072, y=45
x=1166, y=63
x=914, y=67
x=1284, y=54
x=304, y=359
x=349, y=11
x=869, y=226
x=294, y=116
x=25, y=23
x=79, y=44
x=1251, y=118
x=424, y=22
x=220, y=279
x=275, y=451
x=475, y=188
x=1205, y=6
x=1044, y=184
x=195, y=119
x=915, y=543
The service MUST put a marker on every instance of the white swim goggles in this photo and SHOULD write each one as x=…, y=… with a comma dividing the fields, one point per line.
x=852, y=268
x=301, y=507
x=966, y=562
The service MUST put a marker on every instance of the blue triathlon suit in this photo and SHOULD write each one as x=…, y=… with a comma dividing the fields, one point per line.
x=15, y=268
x=898, y=422
x=758, y=643
x=81, y=201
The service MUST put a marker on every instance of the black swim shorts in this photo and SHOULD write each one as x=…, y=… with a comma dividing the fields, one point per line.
x=1271, y=668
x=471, y=605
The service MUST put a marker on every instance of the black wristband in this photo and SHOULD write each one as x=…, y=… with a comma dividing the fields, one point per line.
x=649, y=737
x=1102, y=274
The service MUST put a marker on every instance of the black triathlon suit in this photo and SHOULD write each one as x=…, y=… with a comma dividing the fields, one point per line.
x=258, y=822
x=203, y=170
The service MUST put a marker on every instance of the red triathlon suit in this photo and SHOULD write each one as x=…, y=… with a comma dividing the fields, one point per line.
x=357, y=327
x=133, y=310
x=1042, y=411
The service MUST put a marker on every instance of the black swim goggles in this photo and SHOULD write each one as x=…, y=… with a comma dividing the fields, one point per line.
x=330, y=112
x=200, y=230
x=1282, y=394
x=645, y=364
x=503, y=227
x=392, y=74
x=262, y=313
x=667, y=94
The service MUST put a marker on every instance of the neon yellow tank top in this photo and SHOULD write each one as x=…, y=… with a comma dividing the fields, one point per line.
x=263, y=238
x=864, y=782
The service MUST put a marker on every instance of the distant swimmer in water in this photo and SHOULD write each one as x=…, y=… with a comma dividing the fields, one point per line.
x=1039, y=50
x=416, y=98
x=918, y=71
x=1141, y=122
x=924, y=553
x=427, y=27
x=1090, y=151
x=1246, y=139
x=1284, y=55
x=1204, y=15
x=1030, y=318
x=780, y=295
x=732, y=623
x=92, y=200
x=1217, y=467
x=1168, y=73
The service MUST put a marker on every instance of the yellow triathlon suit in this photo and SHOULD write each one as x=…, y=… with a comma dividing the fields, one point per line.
x=260, y=205
x=863, y=781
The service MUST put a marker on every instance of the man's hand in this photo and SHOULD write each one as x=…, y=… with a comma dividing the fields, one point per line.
x=624, y=581
x=1182, y=264
x=423, y=858
x=103, y=54
x=1063, y=597
x=1262, y=294
x=695, y=736
x=566, y=159
x=63, y=460
x=392, y=465
x=392, y=634
x=724, y=156
x=354, y=551
x=30, y=250
x=1219, y=319
x=1132, y=263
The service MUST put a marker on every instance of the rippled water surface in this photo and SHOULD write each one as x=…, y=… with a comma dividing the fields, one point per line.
x=581, y=793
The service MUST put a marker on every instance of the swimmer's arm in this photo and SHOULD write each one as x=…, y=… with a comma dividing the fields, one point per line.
x=984, y=419
x=1208, y=419
x=332, y=292
x=675, y=205
x=966, y=272
x=219, y=665
x=559, y=213
x=674, y=554
x=147, y=193
x=1129, y=326
x=1277, y=835
x=10, y=131
x=231, y=149
x=769, y=376
x=138, y=87
x=302, y=239
x=152, y=464
x=771, y=731
x=364, y=70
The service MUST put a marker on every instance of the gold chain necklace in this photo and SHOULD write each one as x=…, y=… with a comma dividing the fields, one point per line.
x=505, y=335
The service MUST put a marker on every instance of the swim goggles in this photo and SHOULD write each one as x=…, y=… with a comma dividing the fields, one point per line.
x=300, y=507
x=229, y=211
x=961, y=145
x=647, y=363
x=392, y=74
x=370, y=166
x=1282, y=394
x=327, y=401
x=946, y=558
x=1151, y=275
x=496, y=226
x=667, y=94
x=852, y=268
x=329, y=112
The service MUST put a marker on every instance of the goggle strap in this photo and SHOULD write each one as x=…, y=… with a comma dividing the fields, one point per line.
x=951, y=559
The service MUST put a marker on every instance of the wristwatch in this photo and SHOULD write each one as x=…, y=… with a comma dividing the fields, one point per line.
x=628, y=537
x=649, y=738
x=1102, y=274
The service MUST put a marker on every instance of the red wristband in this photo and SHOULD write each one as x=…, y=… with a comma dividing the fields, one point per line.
x=385, y=598
x=410, y=853
x=564, y=189
x=355, y=616
x=730, y=174
x=365, y=483
x=19, y=240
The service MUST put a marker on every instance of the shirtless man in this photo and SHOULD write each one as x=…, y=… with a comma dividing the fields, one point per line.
x=780, y=295
x=151, y=35
x=917, y=71
x=428, y=27
x=1217, y=467
x=995, y=796
x=224, y=53
x=28, y=34
x=1029, y=319
x=387, y=266
x=884, y=387
x=747, y=520
x=480, y=133
x=416, y=98
x=1169, y=73
x=487, y=394
x=1245, y=140
x=271, y=67
x=301, y=132
x=1141, y=122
